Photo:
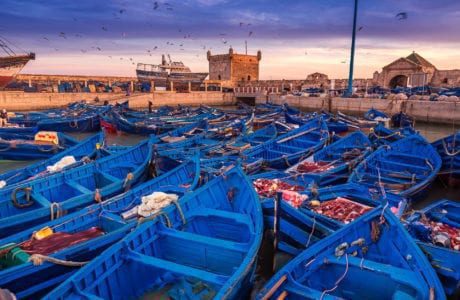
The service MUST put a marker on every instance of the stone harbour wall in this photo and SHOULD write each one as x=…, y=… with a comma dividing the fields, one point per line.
x=424, y=111
x=21, y=101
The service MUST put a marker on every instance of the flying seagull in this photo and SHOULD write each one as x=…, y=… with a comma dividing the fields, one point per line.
x=401, y=16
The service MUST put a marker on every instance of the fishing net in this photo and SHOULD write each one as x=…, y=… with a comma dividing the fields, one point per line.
x=59, y=240
x=341, y=209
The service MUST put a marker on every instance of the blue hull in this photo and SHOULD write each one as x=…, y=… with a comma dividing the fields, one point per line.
x=289, y=148
x=29, y=281
x=25, y=148
x=40, y=200
x=445, y=261
x=366, y=251
x=211, y=241
x=86, y=148
x=406, y=167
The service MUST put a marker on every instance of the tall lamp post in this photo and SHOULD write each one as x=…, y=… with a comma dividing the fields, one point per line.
x=352, y=58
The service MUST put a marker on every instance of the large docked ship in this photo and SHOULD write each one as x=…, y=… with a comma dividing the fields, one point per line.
x=168, y=71
x=11, y=63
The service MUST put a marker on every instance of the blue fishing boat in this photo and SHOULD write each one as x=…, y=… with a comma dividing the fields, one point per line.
x=371, y=257
x=141, y=125
x=402, y=120
x=381, y=135
x=17, y=130
x=207, y=249
x=376, y=115
x=333, y=163
x=406, y=167
x=449, y=150
x=37, y=201
x=291, y=147
x=63, y=243
x=437, y=231
x=82, y=123
x=324, y=211
x=87, y=149
x=333, y=124
x=44, y=144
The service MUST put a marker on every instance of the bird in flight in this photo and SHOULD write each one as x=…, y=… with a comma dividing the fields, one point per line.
x=360, y=28
x=104, y=28
x=401, y=16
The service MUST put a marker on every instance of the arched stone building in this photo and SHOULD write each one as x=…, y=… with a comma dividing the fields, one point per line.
x=412, y=71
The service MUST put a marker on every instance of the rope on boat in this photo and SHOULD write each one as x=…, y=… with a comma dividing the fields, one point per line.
x=38, y=260
x=286, y=161
x=73, y=124
x=181, y=213
x=429, y=164
x=27, y=191
x=447, y=150
x=311, y=233
x=338, y=280
x=7, y=148
x=55, y=206
x=152, y=217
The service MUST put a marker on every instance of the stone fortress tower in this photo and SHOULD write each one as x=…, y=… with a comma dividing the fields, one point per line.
x=232, y=68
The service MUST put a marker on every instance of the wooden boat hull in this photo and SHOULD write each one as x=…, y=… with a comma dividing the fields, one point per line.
x=445, y=260
x=86, y=148
x=38, y=201
x=368, y=251
x=27, y=280
x=211, y=242
x=25, y=148
x=288, y=149
x=406, y=167
x=449, y=150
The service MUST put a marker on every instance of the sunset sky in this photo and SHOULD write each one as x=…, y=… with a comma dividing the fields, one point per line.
x=297, y=37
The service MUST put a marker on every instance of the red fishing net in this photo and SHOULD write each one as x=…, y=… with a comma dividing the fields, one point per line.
x=59, y=240
x=341, y=209
x=442, y=228
x=269, y=187
x=313, y=167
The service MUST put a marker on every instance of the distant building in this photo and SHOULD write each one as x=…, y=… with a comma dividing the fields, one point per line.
x=414, y=70
x=232, y=68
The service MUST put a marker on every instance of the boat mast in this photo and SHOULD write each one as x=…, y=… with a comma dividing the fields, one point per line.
x=352, y=58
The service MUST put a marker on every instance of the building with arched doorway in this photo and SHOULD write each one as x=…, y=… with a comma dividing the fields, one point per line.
x=412, y=71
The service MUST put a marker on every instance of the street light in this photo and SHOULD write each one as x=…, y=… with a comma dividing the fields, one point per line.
x=352, y=58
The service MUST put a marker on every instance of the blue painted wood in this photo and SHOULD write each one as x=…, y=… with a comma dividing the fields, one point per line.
x=386, y=259
x=445, y=261
x=71, y=190
x=86, y=148
x=29, y=281
x=406, y=167
x=208, y=251
x=23, y=147
x=291, y=147
x=449, y=150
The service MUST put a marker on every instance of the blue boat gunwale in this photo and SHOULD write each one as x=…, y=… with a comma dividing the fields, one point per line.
x=83, y=195
x=172, y=212
x=366, y=143
x=338, y=236
x=97, y=138
x=97, y=213
x=396, y=146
